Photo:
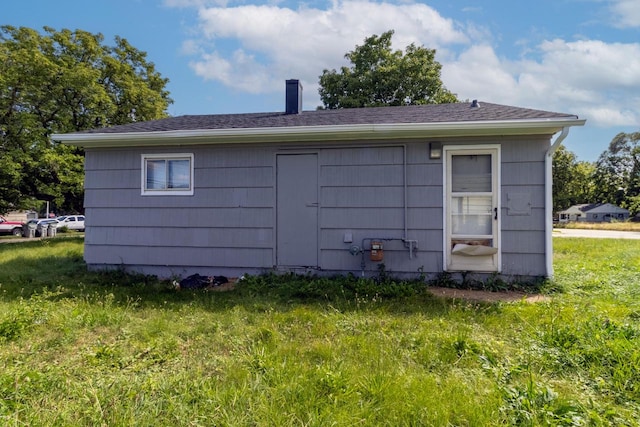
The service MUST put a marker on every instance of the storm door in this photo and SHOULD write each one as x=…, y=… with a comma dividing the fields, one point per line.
x=472, y=208
x=297, y=210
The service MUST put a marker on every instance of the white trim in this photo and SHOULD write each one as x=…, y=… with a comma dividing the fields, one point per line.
x=495, y=151
x=321, y=133
x=548, y=200
x=165, y=156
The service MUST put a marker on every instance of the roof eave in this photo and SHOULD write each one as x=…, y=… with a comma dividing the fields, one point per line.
x=320, y=133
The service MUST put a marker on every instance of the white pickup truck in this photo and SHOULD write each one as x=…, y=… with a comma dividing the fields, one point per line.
x=72, y=222
x=10, y=227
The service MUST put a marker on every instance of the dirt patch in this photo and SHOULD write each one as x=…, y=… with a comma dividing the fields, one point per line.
x=487, y=296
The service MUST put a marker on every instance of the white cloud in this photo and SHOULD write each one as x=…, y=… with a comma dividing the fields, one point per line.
x=611, y=115
x=240, y=71
x=254, y=48
x=478, y=73
x=190, y=47
x=593, y=63
x=593, y=79
x=301, y=43
x=626, y=13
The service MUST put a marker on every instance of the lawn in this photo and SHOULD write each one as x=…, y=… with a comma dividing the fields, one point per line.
x=614, y=226
x=84, y=349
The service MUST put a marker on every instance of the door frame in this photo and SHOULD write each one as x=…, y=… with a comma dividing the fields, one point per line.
x=276, y=259
x=473, y=149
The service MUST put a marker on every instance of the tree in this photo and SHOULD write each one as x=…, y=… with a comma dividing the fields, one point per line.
x=64, y=81
x=380, y=76
x=572, y=180
x=617, y=174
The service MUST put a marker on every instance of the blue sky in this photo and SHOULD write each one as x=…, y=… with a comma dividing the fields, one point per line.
x=226, y=56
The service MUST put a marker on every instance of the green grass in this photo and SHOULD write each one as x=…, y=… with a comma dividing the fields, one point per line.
x=83, y=349
x=613, y=226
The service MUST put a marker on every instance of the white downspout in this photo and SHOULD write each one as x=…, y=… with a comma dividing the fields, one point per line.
x=548, y=200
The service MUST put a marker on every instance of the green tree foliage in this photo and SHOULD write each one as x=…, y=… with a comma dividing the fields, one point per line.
x=64, y=81
x=380, y=76
x=617, y=173
x=572, y=180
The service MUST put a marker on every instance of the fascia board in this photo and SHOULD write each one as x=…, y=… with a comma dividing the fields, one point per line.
x=319, y=133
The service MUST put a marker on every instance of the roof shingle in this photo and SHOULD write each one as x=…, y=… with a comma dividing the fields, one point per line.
x=439, y=113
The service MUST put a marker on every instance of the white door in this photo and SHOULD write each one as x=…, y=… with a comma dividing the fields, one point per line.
x=472, y=208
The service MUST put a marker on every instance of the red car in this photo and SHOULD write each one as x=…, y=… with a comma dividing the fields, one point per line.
x=10, y=227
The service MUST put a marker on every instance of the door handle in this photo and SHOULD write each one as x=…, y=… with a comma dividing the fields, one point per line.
x=495, y=213
x=312, y=204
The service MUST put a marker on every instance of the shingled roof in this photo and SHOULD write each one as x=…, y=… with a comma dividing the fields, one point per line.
x=354, y=124
x=440, y=113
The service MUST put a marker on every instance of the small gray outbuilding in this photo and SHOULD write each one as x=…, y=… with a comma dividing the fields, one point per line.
x=462, y=187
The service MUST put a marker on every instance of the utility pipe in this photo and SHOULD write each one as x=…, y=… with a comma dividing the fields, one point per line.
x=548, y=199
x=410, y=244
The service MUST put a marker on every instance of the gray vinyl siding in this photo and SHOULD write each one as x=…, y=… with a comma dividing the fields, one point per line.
x=362, y=193
x=523, y=235
x=229, y=225
x=226, y=225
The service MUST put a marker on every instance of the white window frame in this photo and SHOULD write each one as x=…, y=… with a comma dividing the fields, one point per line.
x=166, y=191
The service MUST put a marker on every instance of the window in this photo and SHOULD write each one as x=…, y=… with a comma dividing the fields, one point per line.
x=167, y=174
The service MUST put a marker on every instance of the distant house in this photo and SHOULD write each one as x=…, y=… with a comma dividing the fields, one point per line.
x=462, y=187
x=595, y=212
